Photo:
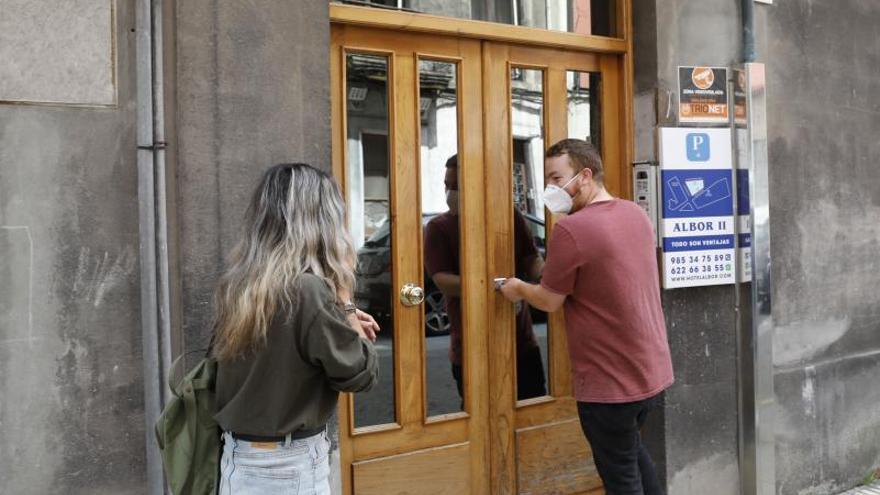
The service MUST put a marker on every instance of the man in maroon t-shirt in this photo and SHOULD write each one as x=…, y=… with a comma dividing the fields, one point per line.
x=602, y=269
x=442, y=264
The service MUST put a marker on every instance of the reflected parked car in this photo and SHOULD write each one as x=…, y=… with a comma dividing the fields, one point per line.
x=373, y=293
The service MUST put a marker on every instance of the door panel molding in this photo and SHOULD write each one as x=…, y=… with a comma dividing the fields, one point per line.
x=509, y=445
x=554, y=458
x=499, y=224
x=430, y=472
x=414, y=432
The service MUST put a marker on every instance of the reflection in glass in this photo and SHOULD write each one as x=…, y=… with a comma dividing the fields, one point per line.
x=369, y=208
x=443, y=302
x=598, y=17
x=527, y=122
x=595, y=17
x=584, y=116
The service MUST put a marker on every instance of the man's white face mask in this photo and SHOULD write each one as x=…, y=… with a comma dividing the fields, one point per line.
x=556, y=199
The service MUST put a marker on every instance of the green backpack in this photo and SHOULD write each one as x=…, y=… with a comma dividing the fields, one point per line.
x=188, y=436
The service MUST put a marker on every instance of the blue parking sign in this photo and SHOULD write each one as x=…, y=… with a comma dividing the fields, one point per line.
x=697, y=224
x=697, y=145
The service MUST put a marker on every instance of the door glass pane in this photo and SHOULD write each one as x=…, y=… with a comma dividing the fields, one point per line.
x=369, y=206
x=597, y=17
x=584, y=116
x=438, y=99
x=527, y=122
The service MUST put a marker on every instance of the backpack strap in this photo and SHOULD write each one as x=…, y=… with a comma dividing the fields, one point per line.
x=172, y=372
x=178, y=361
x=211, y=344
x=208, y=375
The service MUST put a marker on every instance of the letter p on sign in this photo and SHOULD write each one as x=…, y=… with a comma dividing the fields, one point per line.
x=697, y=147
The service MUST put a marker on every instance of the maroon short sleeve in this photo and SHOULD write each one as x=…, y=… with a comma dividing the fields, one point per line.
x=440, y=245
x=563, y=260
x=525, y=245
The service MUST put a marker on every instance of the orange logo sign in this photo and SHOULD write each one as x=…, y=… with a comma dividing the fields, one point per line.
x=703, y=77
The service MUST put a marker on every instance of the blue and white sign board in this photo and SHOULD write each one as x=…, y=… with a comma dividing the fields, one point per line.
x=744, y=238
x=697, y=227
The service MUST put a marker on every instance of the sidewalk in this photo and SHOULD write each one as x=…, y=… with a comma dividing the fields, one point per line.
x=872, y=489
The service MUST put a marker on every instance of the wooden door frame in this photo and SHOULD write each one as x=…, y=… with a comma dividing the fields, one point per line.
x=617, y=59
x=512, y=420
x=488, y=31
x=414, y=430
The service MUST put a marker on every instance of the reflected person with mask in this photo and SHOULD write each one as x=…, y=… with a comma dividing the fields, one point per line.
x=602, y=269
x=442, y=262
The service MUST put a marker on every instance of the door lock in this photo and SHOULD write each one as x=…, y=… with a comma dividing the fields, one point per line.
x=412, y=295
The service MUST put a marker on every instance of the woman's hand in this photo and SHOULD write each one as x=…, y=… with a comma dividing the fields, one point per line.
x=368, y=324
x=363, y=324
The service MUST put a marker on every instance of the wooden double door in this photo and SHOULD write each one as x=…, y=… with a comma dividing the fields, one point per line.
x=438, y=143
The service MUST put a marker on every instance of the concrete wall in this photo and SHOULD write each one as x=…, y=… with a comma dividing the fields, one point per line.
x=252, y=86
x=247, y=87
x=694, y=439
x=71, y=393
x=252, y=90
x=823, y=82
x=823, y=66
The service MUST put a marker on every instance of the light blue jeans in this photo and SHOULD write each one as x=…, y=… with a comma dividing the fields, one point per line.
x=296, y=467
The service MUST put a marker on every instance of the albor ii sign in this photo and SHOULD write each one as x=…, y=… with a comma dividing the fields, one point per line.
x=697, y=227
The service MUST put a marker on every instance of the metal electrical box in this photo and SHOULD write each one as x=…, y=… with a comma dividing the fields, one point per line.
x=646, y=193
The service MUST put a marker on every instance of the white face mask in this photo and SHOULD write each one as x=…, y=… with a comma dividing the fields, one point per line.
x=556, y=199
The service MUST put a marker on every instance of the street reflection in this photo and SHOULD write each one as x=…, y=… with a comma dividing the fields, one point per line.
x=438, y=98
x=527, y=130
x=368, y=189
x=598, y=17
x=583, y=91
x=369, y=211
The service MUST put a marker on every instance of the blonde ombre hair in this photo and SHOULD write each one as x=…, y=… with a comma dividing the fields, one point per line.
x=295, y=224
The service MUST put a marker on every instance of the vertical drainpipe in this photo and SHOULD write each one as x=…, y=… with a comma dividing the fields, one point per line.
x=164, y=274
x=748, y=30
x=152, y=220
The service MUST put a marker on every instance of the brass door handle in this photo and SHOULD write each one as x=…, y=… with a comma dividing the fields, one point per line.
x=412, y=295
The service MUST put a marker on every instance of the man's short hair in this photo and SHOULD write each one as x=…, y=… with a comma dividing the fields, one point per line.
x=452, y=162
x=581, y=154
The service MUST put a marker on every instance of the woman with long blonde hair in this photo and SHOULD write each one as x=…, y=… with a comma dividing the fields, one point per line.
x=286, y=337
